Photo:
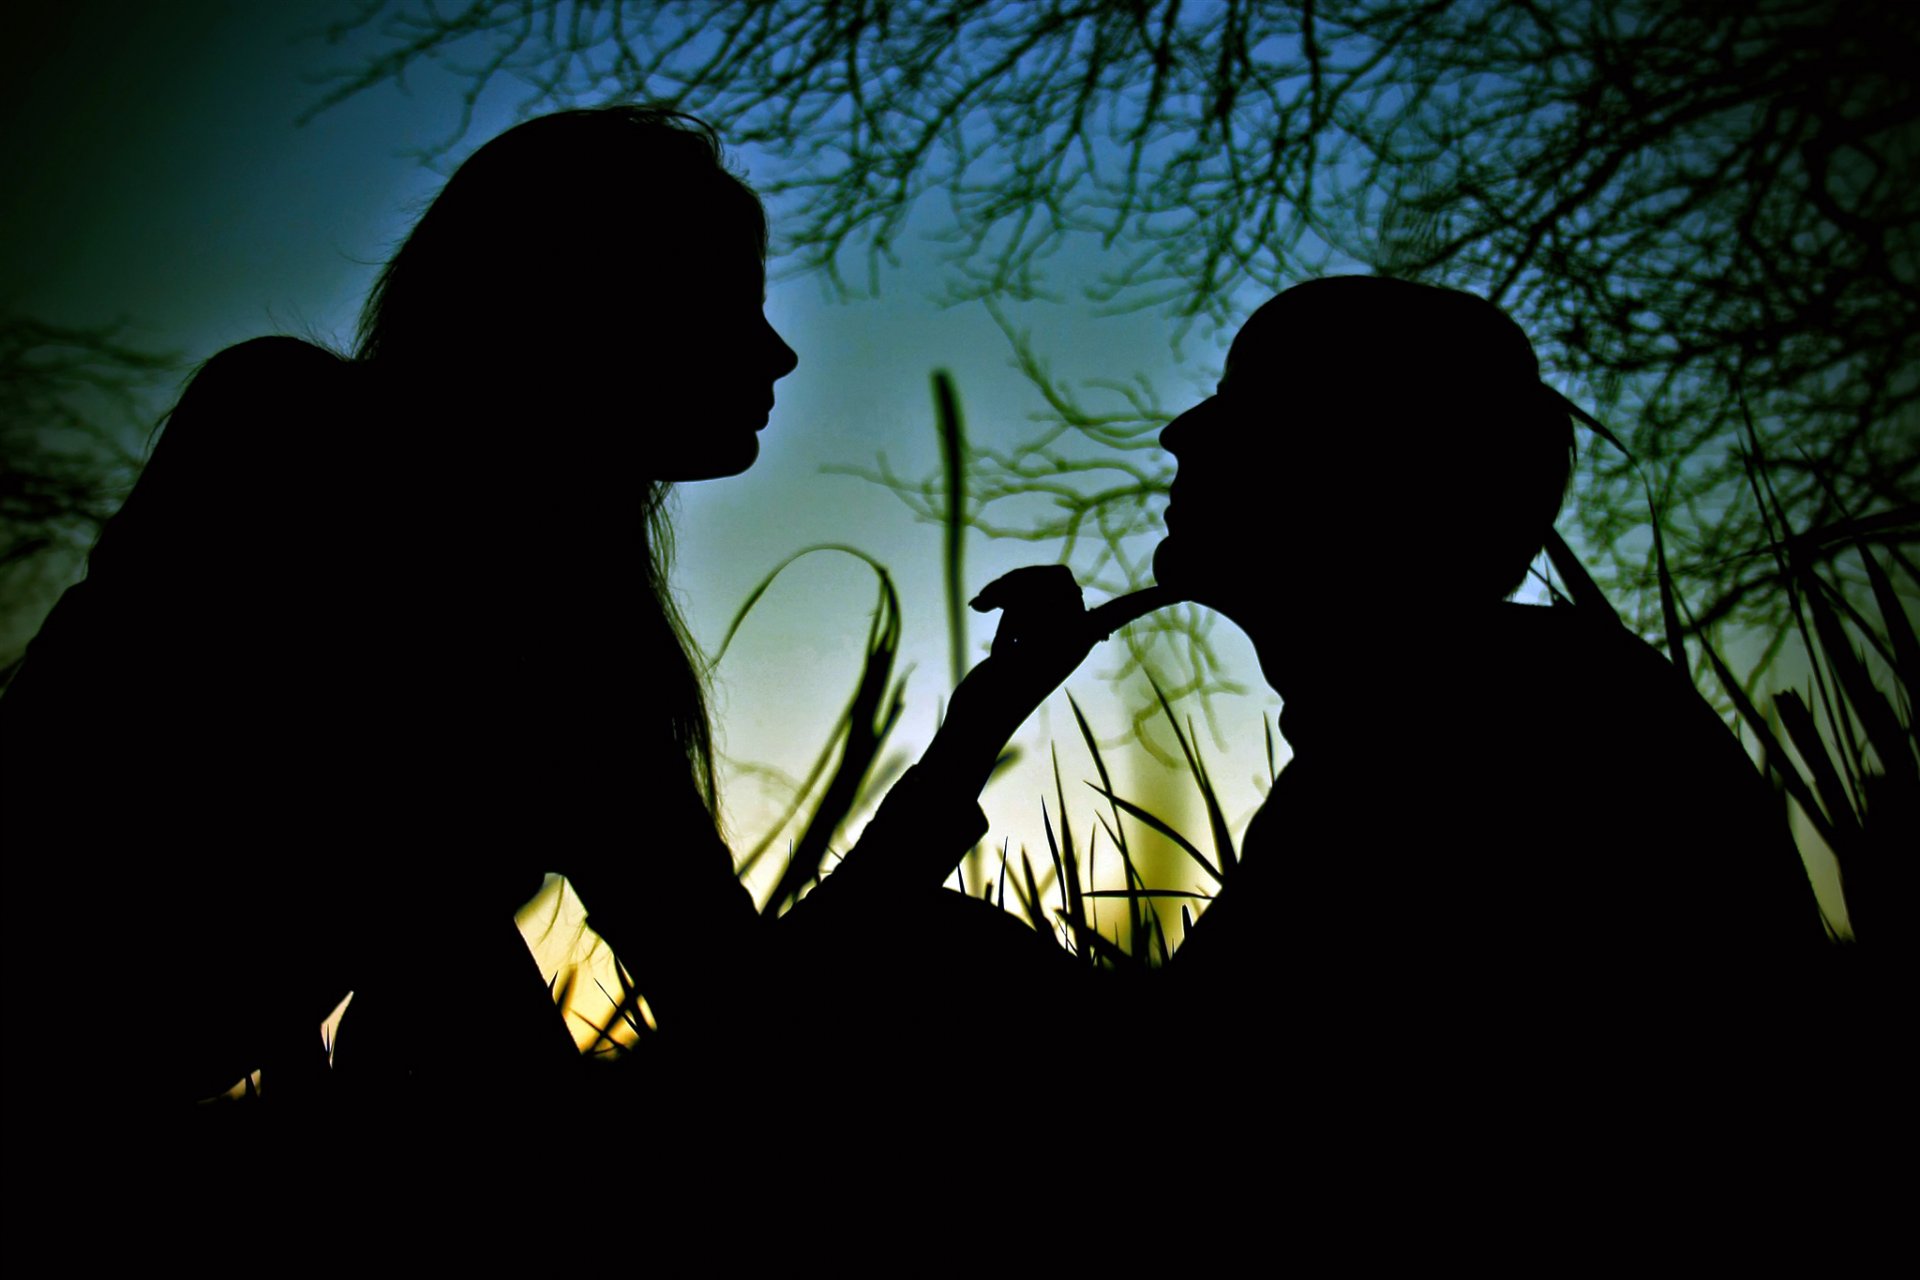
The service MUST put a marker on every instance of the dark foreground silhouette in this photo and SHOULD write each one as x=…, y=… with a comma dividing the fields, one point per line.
x=1518, y=885
x=1514, y=851
x=377, y=643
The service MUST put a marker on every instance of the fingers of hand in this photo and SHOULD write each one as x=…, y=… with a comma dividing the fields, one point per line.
x=1036, y=586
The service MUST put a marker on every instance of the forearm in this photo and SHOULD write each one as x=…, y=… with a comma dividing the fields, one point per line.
x=929, y=821
x=680, y=923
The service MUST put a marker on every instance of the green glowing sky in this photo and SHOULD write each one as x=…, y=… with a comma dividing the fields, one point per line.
x=157, y=176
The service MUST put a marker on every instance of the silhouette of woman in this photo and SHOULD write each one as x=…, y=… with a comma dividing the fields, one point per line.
x=377, y=642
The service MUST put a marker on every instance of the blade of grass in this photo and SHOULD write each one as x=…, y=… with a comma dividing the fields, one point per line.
x=843, y=728
x=1216, y=818
x=1902, y=652
x=1149, y=893
x=1780, y=540
x=1804, y=734
x=1585, y=591
x=1842, y=660
x=1775, y=757
x=1900, y=630
x=953, y=451
x=1594, y=425
x=1099, y=761
x=1273, y=770
x=1180, y=842
x=753, y=597
x=1116, y=832
x=1160, y=935
x=1669, y=610
x=1136, y=915
x=561, y=989
x=814, y=774
x=1036, y=913
x=1069, y=862
x=1067, y=875
x=1862, y=625
x=1890, y=741
x=871, y=714
x=1100, y=947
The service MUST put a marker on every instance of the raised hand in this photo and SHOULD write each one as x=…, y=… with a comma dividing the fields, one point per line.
x=1045, y=633
x=1042, y=638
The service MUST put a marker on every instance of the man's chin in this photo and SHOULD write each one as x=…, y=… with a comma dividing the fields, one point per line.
x=1187, y=571
x=1170, y=566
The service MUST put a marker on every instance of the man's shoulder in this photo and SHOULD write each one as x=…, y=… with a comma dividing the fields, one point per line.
x=1595, y=662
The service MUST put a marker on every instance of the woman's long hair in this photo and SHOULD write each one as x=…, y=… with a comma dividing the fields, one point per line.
x=545, y=249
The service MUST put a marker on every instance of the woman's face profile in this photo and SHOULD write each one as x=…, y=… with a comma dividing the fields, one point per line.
x=729, y=357
x=692, y=362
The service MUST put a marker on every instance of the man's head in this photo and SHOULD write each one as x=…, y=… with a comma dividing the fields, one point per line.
x=1372, y=440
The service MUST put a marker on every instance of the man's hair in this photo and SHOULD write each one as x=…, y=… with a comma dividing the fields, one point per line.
x=1433, y=396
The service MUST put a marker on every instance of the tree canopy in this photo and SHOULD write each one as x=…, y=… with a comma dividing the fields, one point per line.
x=71, y=399
x=1699, y=211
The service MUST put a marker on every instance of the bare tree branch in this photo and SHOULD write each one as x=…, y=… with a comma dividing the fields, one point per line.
x=1675, y=199
x=74, y=405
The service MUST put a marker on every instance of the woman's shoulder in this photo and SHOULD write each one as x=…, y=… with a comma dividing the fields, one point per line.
x=252, y=424
x=234, y=395
x=272, y=356
x=258, y=441
x=292, y=371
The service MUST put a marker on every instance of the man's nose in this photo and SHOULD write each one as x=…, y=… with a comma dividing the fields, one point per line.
x=1174, y=436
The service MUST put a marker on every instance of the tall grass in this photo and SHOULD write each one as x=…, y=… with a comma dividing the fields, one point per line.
x=1842, y=751
x=953, y=457
x=1852, y=729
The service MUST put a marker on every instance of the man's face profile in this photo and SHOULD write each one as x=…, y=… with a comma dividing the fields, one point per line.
x=1255, y=501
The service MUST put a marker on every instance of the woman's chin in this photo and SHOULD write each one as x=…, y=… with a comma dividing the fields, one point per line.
x=747, y=454
x=717, y=463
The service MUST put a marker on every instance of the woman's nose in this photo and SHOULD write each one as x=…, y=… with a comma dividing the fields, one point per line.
x=783, y=359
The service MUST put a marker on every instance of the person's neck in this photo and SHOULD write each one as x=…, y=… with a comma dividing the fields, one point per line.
x=1345, y=657
x=1320, y=663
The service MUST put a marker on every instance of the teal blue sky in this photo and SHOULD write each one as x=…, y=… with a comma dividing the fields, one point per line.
x=157, y=176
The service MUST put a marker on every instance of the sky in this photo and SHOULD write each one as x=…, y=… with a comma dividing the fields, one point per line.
x=157, y=177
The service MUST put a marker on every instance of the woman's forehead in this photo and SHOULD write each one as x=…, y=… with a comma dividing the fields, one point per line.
x=720, y=257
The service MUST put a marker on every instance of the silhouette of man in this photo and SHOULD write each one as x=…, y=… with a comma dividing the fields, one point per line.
x=1502, y=825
